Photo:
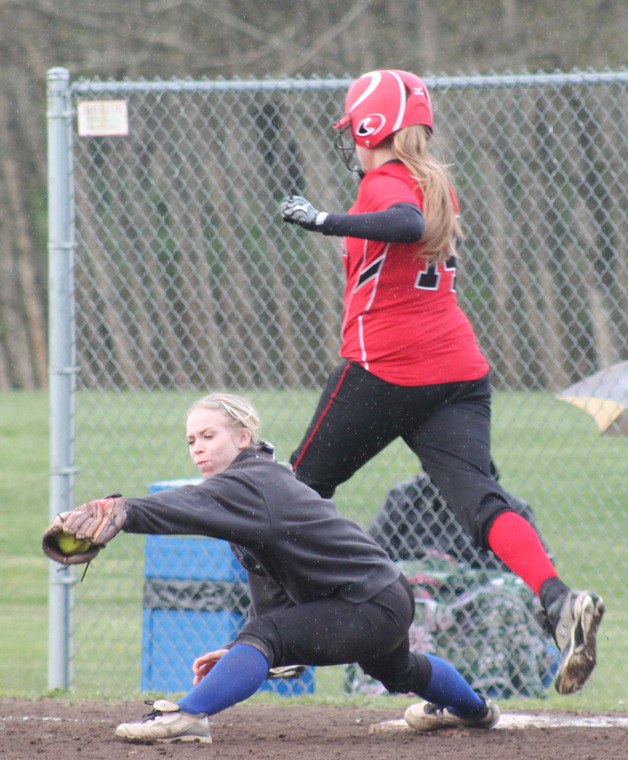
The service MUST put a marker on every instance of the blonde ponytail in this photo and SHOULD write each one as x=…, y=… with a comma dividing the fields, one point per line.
x=442, y=228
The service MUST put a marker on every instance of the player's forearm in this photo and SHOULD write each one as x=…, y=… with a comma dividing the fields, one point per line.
x=402, y=223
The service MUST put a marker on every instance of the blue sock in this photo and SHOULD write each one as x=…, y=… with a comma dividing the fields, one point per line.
x=447, y=688
x=236, y=676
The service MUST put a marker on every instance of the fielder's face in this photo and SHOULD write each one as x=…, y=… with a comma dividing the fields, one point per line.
x=213, y=440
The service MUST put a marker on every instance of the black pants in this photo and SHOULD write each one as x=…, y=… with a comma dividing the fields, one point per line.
x=373, y=634
x=447, y=426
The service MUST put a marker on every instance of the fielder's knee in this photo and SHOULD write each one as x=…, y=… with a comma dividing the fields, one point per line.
x=262, y=634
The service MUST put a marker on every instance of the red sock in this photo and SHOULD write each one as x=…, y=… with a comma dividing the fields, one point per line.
x=519, y=547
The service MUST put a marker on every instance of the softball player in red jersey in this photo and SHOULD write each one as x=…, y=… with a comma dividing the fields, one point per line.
x=412, y=367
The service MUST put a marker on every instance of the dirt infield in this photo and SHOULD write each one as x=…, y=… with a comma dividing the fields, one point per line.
x=50, y=728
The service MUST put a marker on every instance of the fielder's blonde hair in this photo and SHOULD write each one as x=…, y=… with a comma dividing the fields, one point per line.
x=239, y=410
x=442, y=228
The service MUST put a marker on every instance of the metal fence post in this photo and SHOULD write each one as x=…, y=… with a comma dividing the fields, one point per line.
x=61, y=368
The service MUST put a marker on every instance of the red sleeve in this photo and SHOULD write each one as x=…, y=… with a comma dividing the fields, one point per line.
x=379, y=192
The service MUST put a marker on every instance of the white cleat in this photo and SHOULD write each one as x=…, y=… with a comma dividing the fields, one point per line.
x=167, y=723
x=424, y=716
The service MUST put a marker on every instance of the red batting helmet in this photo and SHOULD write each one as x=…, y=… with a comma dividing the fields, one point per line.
x=382, y=102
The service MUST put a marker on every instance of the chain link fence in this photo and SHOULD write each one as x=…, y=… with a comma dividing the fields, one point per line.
x=183, y=280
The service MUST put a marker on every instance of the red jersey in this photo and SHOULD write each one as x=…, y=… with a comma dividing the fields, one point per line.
x=401, y=318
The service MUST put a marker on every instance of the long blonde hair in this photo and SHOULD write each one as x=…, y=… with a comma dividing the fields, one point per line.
x=442, y=228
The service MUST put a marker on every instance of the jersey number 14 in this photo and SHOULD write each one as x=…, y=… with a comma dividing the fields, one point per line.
x=429, y=277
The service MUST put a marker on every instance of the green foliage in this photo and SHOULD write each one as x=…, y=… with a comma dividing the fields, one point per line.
x=23, y=568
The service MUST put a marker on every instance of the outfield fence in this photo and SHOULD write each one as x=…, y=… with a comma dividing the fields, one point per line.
x=171, y=275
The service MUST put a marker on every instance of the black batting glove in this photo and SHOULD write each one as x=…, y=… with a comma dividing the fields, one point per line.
x=298, y=210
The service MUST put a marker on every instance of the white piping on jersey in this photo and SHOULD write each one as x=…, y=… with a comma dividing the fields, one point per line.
x=348, y=306
x=365, y=361
x=381, y=260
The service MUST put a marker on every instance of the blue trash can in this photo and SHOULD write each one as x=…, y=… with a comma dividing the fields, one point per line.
x=195, y=600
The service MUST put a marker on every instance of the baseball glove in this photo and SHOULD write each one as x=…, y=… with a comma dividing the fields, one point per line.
x=76, y=537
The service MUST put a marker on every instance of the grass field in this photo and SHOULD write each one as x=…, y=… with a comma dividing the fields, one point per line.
x=550, y=454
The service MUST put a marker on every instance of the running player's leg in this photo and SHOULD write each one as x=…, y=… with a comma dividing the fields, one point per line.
x=453, y=445
x=354, y=421
x=454, y=449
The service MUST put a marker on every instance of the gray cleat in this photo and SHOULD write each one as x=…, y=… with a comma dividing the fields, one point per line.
x=573, y=620
x=424, y=716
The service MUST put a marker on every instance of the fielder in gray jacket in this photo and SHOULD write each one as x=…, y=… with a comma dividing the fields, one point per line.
x=322, y=591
